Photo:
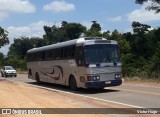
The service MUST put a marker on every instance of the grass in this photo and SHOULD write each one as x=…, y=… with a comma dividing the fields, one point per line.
x=142, y=79
x=20, y=71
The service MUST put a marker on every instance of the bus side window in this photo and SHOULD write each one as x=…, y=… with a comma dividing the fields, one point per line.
x=58, y=53
x=73, y=51
x=53, y=54
x=79, y=56
x=62, y=52
x=65, y=53
x=36, y=56
x=68, y=52
x=48, y=54
x=43, y=55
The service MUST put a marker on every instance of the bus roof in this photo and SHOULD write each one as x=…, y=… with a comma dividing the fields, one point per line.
x=77, y=42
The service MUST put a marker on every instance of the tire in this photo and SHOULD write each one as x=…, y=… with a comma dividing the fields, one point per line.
x=2, y=74
x=5, y=75
x=101, y=89
x=72, y=83
x=15, y=75
x=37, y=78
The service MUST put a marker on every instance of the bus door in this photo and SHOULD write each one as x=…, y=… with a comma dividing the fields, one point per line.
x=80, y=60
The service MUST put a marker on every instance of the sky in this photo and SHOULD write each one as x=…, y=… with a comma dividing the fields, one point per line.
x=27, y=17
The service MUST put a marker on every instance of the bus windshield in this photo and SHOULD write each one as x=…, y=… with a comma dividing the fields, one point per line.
x=101, y=53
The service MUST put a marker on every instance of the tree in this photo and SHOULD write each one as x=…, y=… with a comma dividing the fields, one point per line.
x=140, y=43
x=95, y=26
x=139, y=28
x=94, y=31
x=73, y=30
x=53, y=34
x=154, y=6
x=67, y=31
x=17, y=51
x=1, y=59
x=3, y=37
x=106, y=34
x=13, y=61
x=21, y=45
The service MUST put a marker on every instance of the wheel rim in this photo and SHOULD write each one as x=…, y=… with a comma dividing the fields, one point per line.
x=73, y=84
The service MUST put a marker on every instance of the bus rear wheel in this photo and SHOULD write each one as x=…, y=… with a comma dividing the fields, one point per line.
x=72, y=83
x=37, y=78
x=2, y=74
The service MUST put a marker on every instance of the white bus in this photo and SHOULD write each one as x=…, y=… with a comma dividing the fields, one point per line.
x=79, y=63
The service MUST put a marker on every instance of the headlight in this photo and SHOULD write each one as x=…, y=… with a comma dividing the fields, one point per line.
x=93, y=78
x=117, y=76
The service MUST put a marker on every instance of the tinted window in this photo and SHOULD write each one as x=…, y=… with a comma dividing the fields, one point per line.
x=102, y=53
x=49, y=54
x=80, y=56
x=57, y=53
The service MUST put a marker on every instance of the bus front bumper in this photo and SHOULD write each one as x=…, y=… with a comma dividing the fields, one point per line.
x=102, y=84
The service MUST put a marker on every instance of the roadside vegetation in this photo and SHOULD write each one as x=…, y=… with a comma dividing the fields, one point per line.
x=140, y=50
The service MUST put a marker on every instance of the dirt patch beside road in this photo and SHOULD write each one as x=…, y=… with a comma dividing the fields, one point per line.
x=17, y=95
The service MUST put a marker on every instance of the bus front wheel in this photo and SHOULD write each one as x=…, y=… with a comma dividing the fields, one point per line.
x=72, y=83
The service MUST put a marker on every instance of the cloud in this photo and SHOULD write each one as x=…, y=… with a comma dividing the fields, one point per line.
x=128, y=30
x=59, y=6
x=142, y=15
x=4, y=49
x=115, y=19
x=16, y=32
x=31, y=30
x=3, y=16
x=87, y=24
x=39, y=25
x=15, y=6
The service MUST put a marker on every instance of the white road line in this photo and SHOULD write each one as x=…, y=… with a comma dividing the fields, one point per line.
x=133, y=106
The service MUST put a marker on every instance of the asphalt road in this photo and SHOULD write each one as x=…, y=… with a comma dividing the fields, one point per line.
x=130, y=95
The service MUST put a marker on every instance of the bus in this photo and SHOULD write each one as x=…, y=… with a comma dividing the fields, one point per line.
x=89, y=62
